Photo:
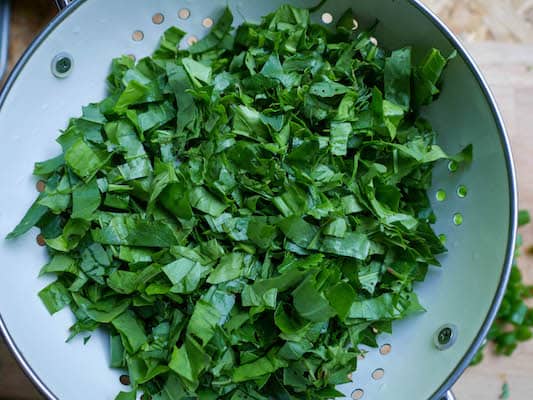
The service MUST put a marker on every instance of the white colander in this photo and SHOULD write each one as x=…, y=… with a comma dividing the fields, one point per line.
x=425, y=355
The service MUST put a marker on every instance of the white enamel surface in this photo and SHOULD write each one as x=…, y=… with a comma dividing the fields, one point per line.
x=39, y=105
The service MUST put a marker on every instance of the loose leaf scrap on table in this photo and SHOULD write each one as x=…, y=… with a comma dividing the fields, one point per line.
x=242, y=215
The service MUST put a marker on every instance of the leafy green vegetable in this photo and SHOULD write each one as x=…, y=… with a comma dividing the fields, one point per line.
x=131, y=329
x=243, y=215
x=55, y=297
x=32, y=218
x=506, y=393
x=85, y=200
x=126, y=396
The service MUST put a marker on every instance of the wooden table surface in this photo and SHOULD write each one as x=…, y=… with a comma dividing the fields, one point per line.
x=509, y=70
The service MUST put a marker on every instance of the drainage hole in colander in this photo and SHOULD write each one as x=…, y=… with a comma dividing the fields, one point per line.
x=385, y=349
x=358, y=394
x=462, y=191
x=40, y=186
x=41, y=241
x=440, y=195
x=192, y=40
x=132, y=57
x=158, y=18
x=458, y=219
x=378, y=374
x=443, y=239
x=207, y=22
x=327, y=18
x=184, y=13
x=137, y=36
x=452, y=166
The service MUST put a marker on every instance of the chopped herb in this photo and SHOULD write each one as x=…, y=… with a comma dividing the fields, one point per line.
x=506, y=393
x=243, y=215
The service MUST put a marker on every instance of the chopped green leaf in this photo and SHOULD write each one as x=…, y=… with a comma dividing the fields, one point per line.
x=55, y=297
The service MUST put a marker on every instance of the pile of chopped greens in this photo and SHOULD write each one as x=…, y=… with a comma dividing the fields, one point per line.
x=242, y=215
x=514, y=321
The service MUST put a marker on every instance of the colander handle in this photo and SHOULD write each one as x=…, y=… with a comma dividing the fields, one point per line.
x=449, y=396
x=61, y=4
